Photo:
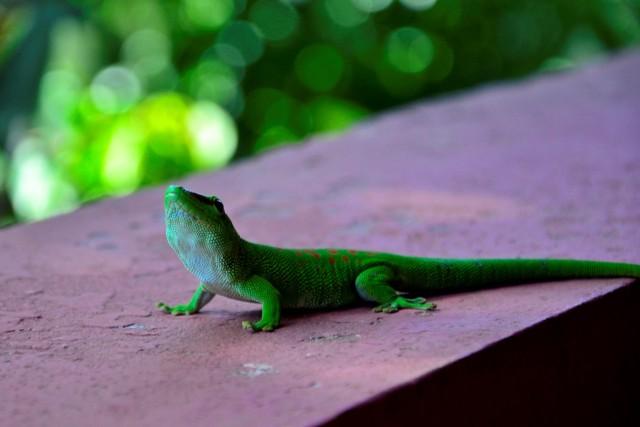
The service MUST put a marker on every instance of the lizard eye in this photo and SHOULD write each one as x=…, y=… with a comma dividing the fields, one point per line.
x=218, y=204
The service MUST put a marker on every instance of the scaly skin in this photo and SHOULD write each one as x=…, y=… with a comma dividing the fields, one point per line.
x=206, y=242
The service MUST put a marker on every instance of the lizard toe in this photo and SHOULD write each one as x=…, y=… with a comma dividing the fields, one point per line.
x=415, y=303
x=259, y=326
x=163, y=307
x=389, y=307
x=247, y=325
x=401, y=302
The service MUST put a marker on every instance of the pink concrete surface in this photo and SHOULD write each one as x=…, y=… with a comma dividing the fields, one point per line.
x=546, y=167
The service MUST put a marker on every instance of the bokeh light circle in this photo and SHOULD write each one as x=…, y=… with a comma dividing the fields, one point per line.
x=276, y=19
x=215, y=138
x=371, y=6
x=212, y=80
x=344, y=13
x=409, y=49
x=207, y=14
x=239, y=44
x=418, y=4
x=147, y=52
x=115, y=89
x=319, y=67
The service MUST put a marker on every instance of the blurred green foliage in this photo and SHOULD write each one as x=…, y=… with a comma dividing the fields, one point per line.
x=101, y=97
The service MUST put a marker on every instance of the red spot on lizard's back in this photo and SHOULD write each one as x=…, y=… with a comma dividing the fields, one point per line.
x=332, y=260
x=313, y=253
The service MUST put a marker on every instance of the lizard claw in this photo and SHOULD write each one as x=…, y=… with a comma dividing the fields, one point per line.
x=402, y=302
x=386, y=308
x=164, y=307
x=176, y=310
x=258, y=326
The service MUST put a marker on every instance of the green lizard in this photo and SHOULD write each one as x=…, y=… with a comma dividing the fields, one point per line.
x=208, y=245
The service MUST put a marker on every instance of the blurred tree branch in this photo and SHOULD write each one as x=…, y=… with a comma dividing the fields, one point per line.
x=21, y=72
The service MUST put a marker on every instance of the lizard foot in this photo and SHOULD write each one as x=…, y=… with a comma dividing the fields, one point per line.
x=402, y=302
x=176, y=310
x=261, y=325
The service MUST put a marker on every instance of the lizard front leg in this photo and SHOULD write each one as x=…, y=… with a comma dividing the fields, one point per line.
x=373, y=285
x=199, y=299
x=260, y=290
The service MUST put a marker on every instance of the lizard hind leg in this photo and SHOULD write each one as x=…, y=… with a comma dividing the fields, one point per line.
x=373, y=285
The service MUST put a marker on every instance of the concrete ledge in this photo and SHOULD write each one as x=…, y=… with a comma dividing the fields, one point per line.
x=578, y=368
x=541, y=168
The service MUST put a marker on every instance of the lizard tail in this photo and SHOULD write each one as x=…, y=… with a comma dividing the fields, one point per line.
x=463, y=274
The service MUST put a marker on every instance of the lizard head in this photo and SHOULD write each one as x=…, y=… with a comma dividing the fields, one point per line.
x=197, y=226
x=178, y=200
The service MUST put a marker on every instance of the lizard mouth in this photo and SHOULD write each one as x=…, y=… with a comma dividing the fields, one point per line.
x=180, y=202
x=173, y=192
